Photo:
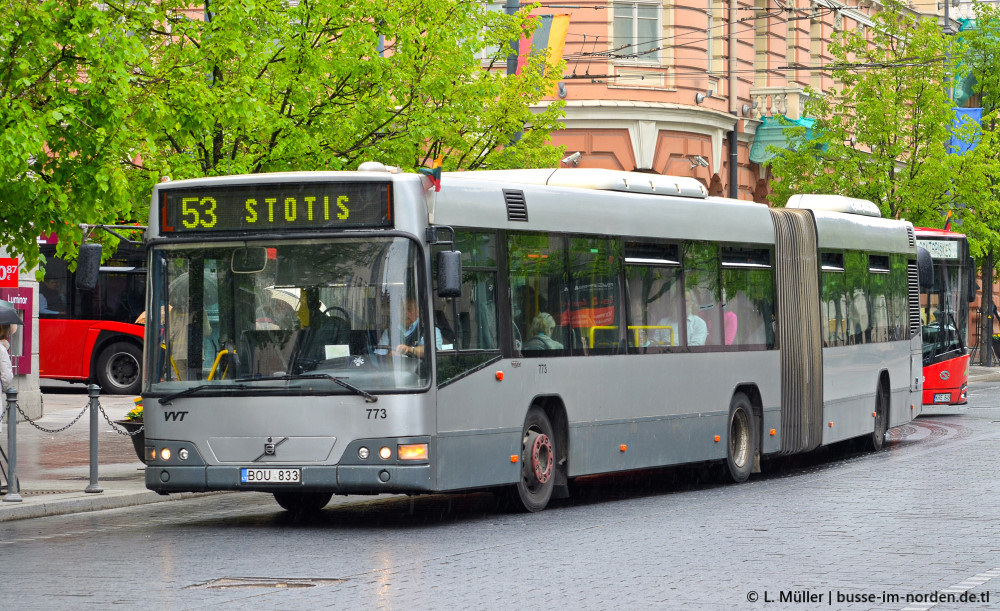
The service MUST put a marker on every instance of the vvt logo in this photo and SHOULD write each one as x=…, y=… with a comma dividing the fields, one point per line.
x=175, y=416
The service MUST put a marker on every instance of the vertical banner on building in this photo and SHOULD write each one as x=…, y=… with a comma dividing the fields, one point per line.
x=548, y=38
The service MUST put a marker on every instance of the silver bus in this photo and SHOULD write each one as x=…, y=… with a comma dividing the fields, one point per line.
x=321, y=333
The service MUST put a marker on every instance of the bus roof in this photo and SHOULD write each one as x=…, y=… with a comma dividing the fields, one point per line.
x=931, y=232
x=596, y=179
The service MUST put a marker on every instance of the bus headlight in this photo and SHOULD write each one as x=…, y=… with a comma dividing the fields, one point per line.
x=165, y=454
x=385, y=453
x=182, y=454
x=363, y=453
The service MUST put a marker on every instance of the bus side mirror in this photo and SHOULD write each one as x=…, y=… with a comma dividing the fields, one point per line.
x=88, y=266
x=925, y=268
x=449, y=270
x=971, y=273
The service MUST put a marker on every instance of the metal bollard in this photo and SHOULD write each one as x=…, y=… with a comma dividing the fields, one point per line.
x=13, y=493
x=95, y=392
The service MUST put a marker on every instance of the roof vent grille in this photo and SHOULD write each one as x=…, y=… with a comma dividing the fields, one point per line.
x=517, y=208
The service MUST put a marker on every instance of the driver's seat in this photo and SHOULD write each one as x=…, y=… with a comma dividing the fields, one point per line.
x=313, y=340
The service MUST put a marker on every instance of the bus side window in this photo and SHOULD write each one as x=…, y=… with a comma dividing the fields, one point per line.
x=654, y=296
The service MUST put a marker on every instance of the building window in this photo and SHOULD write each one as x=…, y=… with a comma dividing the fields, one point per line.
x=637, y=36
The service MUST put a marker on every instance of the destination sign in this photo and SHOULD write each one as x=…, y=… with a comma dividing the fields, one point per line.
x=276, y=207
x=940, y=249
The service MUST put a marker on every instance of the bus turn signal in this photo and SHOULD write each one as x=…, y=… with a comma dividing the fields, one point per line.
x=413, y=451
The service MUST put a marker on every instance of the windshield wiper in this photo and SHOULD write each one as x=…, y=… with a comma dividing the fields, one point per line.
x=369, y=398
x=194, y=389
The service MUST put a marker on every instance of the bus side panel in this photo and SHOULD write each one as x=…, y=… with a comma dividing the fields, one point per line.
x=63, y=350
x=66, y=347
x=661, y=419
x=849, y=403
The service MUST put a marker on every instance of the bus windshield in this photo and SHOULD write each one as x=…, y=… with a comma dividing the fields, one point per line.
x=290, y=317
x=944, y=311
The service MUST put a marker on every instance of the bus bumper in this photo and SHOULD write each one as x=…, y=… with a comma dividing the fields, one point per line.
x=351, y=479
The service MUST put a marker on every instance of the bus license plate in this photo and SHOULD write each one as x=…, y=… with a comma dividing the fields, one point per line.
x=270, y=476
x=942, y=397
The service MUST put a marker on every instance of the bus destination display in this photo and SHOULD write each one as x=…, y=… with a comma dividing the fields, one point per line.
x=284, y=206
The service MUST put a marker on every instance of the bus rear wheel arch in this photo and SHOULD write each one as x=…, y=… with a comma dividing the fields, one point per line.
x=742, y=440
x=119, y=368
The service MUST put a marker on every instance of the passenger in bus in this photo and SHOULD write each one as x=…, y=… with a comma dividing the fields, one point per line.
x=50, y=299
x=412, y=335
x=540, y=332
x=697, y=330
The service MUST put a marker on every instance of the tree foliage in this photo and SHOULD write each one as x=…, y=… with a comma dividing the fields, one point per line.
x=978, y=190
x=261, y=86
x=65, y=86
x=882, y=134
x=101, y=101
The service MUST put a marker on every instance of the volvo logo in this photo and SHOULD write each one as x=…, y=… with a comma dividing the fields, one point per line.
x=944, y=375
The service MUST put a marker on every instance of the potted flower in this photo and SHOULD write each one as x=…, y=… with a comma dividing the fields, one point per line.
x=133, y=424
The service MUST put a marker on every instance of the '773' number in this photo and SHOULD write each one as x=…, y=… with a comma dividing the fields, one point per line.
x=376, y=413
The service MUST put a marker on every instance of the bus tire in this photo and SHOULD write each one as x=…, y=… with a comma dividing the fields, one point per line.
x=741, y=438
x=302, y=502
x=876, y=441
x=119, y=369
x=538, y=463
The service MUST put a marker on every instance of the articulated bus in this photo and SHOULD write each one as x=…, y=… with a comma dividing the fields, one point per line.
x=90, y=335
x=323, y=333
x=944, y=313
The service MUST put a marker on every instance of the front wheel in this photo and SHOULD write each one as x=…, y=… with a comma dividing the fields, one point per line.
x=118, y=369
x=538, y=463
x=302, y=502
x=741, y=439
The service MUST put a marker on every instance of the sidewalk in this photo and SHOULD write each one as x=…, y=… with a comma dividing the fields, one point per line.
x=54, y=468
x=978, y=373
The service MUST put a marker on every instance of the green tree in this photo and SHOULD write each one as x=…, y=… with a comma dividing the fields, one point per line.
x=100, y=101
x=882, y=134
x=978, y=192
x=261, y=86
x=65, y=86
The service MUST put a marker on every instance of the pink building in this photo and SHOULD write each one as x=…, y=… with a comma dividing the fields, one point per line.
x=692, y=88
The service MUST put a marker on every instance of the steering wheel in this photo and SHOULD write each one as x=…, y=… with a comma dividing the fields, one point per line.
x=337, y=311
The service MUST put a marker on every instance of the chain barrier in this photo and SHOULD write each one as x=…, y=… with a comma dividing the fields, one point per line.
x=114, y=426
x=95, y=407
x=45, y=430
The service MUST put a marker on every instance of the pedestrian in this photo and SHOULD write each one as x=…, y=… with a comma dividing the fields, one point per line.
x=6, y=369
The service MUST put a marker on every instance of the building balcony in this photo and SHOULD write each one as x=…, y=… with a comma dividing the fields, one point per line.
x=774, y=101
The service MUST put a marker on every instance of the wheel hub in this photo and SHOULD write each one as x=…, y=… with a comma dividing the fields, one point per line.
x=541, y=457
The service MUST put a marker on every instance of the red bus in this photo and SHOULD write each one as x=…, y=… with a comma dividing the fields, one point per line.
x=91, y=335
x=944, y=314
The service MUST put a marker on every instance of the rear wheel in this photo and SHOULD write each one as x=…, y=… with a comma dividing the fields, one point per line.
x=302, y=502
x=118, y=369
x=877, y=440
x=741, y=439
x=538, y=463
